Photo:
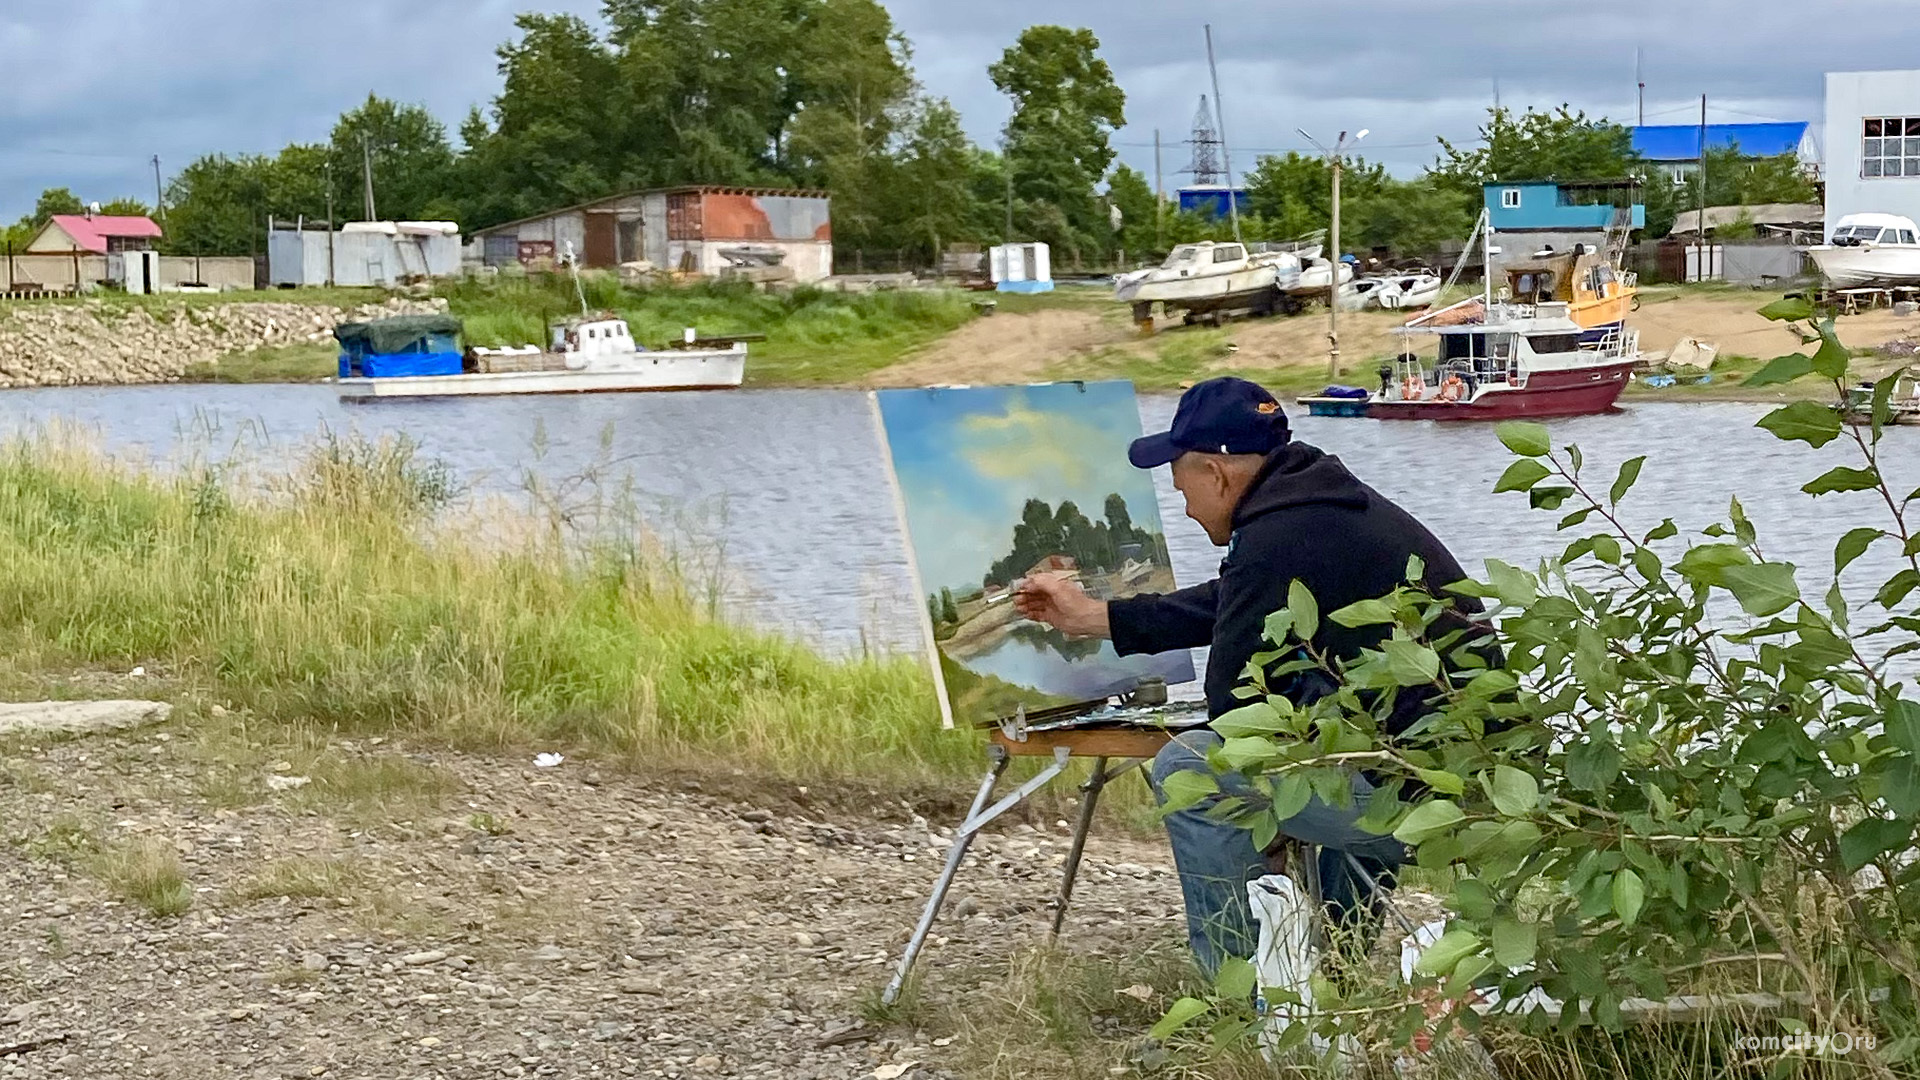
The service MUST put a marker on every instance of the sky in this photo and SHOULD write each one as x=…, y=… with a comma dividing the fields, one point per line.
x=968, y=460
x=96, y=88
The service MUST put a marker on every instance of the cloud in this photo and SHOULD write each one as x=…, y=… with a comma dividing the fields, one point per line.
x=98, y=87
x=1023, y=442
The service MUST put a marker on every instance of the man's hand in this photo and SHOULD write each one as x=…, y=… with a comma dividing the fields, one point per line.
x=1061, y=604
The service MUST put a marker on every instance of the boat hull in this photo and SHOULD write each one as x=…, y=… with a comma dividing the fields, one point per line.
x=1202, y=292
x=662, y=371
x=1585, y=391
x=1864, y=265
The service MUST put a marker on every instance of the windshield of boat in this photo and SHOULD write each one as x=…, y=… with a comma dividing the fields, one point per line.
x=1228, y=253
x=1181, y=255
x=1858, y=232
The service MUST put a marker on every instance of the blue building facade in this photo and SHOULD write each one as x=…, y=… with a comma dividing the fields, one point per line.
x=1675, y=143
x=1211, y=199
x=1549, y=206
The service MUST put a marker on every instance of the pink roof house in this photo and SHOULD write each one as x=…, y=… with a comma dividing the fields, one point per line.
x=96, y=234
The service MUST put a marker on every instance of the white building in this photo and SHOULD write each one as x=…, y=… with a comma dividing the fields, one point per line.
x=1873, y=143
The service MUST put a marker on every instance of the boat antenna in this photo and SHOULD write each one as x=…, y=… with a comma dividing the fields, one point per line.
x=579, y=290
x=1226, y=156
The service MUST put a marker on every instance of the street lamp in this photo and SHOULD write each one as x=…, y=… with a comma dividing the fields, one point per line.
x=1336, y=159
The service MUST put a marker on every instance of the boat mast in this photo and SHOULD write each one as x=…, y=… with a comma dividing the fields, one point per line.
x=1220, y=121
x=1486, y=258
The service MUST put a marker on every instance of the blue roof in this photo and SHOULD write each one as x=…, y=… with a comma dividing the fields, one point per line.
x=1681, y=142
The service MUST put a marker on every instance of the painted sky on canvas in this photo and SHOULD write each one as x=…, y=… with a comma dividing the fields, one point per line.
x=969, y=459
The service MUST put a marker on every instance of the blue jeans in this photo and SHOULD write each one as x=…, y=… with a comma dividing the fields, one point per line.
x=1215, y=859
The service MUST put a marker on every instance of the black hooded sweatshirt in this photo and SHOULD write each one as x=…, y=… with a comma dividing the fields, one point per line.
x=1306, y=518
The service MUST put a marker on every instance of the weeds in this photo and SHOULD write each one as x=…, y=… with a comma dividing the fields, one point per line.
x=301, y=878
x=147, y=872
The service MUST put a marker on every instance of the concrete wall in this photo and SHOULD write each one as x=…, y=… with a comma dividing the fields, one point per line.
x=1852, y=97
x=58, y=271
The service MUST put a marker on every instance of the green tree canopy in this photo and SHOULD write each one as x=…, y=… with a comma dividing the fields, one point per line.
x=1066, y=106
x=412, y=162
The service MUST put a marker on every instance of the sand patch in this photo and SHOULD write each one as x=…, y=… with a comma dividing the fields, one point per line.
x=1006, y=348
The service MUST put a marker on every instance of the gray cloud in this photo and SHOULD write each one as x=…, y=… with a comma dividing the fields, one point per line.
x=117, y=81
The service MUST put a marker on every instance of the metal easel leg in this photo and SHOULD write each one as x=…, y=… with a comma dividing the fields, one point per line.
x=1091, y=789
x=962, y=840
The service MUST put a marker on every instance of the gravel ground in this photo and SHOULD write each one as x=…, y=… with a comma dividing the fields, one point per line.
x=432, y=914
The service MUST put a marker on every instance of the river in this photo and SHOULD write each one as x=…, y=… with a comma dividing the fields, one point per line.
x=786, y=489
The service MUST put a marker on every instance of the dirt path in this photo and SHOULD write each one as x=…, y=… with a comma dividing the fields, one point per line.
x=1093, y=341
x=413, y=913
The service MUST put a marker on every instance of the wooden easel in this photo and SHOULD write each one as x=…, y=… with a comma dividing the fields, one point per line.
x=1131, y=746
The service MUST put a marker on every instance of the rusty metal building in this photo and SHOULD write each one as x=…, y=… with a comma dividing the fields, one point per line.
x=684, y=229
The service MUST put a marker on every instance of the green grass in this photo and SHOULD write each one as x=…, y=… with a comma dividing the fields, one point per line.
x=147, y=872
x=279, y=364
x=814, y=337
x=351, y=598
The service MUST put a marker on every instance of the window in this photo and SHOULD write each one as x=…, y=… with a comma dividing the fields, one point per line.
x=1890, y=146
x=1906, y=236
x=1228, y=253
x=1510, y=198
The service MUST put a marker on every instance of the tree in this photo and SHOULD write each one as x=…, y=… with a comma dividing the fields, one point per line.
x=949, y=613
x=933, y=197
x=1562, y=144
x=1066, y=105
x=125, y=207
x=1139, y=207
x=412, y=161
x=853, y=86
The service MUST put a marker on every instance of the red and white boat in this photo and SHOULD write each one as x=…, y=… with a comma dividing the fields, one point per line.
x=1498, y=361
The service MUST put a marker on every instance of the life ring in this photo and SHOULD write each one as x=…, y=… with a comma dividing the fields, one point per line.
x=1451, y=388
x=1413, y=389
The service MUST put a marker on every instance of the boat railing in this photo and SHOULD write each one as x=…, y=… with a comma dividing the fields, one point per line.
x=1627, y=279
x=1616, y=342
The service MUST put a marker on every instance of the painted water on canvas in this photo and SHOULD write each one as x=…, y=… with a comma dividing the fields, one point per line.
x=999, y=482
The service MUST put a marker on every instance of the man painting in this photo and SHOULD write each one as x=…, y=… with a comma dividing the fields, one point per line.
x=1284, y=511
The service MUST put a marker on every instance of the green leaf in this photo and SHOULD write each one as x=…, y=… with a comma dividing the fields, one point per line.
x=1593, y=764
x=1806, y=421
x=1259, y=718
x=1515, y=793
x=1883, y=400
x=1428, y=820
x=1763, y=588
x=1548, y=498
x=1606, y=549
x=1864, y=842
x=1186, y=788
x=1306, y=611
x=1662, y=531
x=1629, y=894
x=1788, y=309
x=1852, y=546
x=1363, y=613
x=1291, y=795
x=1522, y=475
x=1708, y=563
x=1780, y=369
x=1902, y=722
x=1525, y=438
x=1236, y=980
x=1442, y=781
x=1514, y=942
x=1455, y=945
x=1831, y=359
x=1842, y=478
x=1416, y=569
x=1629, y=473
x=1897, y=588
x=1900, y=786
x=1511, y=584
x=1179, y=1015
x=1410, y=663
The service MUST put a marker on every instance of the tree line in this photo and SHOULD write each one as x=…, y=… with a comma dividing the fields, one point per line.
x=822, y=94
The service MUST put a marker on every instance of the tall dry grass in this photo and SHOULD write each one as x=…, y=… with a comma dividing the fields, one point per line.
x=350, y=593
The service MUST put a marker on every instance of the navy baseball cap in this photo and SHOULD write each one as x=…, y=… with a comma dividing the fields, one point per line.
x=1219, y=416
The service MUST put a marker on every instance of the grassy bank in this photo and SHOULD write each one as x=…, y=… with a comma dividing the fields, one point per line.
x=354, y=595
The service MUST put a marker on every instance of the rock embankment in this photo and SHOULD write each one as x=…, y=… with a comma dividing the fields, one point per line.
x=105, y=342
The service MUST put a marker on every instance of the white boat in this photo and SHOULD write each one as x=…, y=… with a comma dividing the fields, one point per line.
x=587, y=355
x=1405, y=292
x=1208, y=277
x=1869, y=250
x=1315, y=275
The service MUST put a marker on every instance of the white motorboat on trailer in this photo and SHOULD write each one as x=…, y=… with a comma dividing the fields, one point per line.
x=1870, y=249
x=1208, y=277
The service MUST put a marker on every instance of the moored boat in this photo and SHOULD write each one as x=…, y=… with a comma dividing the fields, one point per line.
x=419, y=356
x=1518, y=361
x=1208, y=277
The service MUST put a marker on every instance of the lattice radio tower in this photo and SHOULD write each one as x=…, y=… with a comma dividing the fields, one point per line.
x=1206, y=168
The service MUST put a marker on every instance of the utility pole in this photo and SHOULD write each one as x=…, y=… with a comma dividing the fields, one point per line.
x=1640, y=79
x=330, y=225
x=1700, y=225
x=366, y=170
x=1159, y=197
x=159, y=192
x=1333, y=275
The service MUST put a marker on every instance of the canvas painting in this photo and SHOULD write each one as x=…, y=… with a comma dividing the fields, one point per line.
x=999, y=482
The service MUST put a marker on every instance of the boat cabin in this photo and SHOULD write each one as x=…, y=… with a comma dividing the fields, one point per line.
x=1573, y=277
x=587, y=338
x=1855, y=230
x=1201, y=258
x=1521, y=339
